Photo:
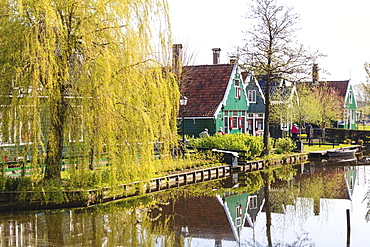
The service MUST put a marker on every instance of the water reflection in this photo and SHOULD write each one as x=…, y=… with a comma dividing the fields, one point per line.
x=303, y=205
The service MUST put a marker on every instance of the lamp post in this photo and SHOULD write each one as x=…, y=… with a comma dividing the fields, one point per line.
x=183, y=103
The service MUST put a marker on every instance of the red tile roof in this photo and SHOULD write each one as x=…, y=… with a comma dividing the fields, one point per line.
x=340, y=86
x=204, y=216
x=205, y=87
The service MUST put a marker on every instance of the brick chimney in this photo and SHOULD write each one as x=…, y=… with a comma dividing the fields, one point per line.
x=176, y=57
x=216, y=55
x=315, y=74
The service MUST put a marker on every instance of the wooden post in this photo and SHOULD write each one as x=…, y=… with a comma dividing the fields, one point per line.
x=348, y=228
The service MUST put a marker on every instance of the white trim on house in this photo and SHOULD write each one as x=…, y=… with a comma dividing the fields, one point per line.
x=348, y=93
x=252, y=78
x=227, y=91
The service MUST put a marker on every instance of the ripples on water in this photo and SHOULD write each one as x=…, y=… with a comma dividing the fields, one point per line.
x=307, y=207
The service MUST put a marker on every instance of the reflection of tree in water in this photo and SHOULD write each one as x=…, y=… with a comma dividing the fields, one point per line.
x=279, y=192
x=149, y=219
x=132, y=222
x=126, y=223
x=367, y=197
x=285, y=188
x=302, y=241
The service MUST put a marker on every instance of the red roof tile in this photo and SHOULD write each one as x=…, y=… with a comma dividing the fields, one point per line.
x=204, y=216
x=205, y=87
x=340, y=86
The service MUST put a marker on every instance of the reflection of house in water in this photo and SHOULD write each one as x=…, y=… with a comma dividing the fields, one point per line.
x=256, y=203
x=200, y=217
x=220, y=218
x=315, y=182
x=350, y=177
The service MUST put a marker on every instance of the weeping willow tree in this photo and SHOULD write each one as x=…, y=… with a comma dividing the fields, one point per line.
x=81, y=79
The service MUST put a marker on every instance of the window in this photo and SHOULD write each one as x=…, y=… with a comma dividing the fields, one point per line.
x=236, y=82
x=260, y=124
x=238, y=214
x=25, y=131
x=238, y=92
x=353, y=116
x=234, y=120
x=226, y=122
x=350, y=97
x=252, y=96
x=253, y=202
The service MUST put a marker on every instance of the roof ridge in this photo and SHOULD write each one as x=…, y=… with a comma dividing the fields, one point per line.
x=213, y=65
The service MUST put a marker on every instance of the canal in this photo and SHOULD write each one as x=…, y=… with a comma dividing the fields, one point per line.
x=309, y=204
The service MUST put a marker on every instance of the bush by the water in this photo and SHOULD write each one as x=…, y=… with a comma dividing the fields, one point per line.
x=253, y=145
x=284, y=145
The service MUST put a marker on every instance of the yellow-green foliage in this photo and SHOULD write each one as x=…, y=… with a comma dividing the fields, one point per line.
x=253, y=145
x=84, y=75
x=285, y=145
x=253, y=182
x=197, y=160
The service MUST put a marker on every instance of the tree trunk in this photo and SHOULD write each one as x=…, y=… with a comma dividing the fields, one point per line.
x=267, y=207
x=56, y=139
x=266, y=132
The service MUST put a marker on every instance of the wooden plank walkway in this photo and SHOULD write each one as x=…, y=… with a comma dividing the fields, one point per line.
x=186, y=178
x=9, y=201
x=258, y=165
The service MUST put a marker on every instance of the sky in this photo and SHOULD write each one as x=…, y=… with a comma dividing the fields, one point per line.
x=337, y=28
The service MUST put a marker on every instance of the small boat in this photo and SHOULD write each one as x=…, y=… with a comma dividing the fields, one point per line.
x=341, y=152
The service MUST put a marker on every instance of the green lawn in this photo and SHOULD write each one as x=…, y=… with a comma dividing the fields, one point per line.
x=313, y=148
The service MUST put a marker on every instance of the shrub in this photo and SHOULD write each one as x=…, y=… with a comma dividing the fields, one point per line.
x=284, y=145
x=18, y=184
x=279, y=151
x=253, y=145
x=360, y=142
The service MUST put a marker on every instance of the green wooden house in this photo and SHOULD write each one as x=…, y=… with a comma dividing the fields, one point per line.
x=216, y=98
x=349, y=104
x=346, y=93
x=280, y=93
x=256, y=100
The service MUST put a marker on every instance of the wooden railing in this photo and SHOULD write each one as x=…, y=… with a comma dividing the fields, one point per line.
x=344, y=134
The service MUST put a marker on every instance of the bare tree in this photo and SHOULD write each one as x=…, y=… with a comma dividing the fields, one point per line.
x=271, y=50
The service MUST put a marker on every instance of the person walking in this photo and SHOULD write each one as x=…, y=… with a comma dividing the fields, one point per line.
x=309, y=131
x=294, y=132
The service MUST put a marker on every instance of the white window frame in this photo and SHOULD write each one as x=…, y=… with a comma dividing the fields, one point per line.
x=350, y=97
x=238, y=215
x=238, y=92
x=252, y=98
x=236, y=82
x=253, y=203
x=353, y=116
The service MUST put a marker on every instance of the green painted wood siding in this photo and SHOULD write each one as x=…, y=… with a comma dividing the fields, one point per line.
x=350, y=110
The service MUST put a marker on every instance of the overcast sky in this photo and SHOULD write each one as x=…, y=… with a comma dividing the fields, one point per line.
x=337, y=28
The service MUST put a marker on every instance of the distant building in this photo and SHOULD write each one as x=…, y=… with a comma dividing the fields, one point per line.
x=345, y=91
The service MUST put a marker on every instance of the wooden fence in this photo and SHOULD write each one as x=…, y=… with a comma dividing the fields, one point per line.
x=344, y=134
